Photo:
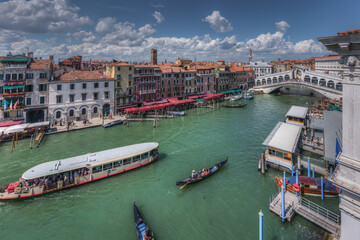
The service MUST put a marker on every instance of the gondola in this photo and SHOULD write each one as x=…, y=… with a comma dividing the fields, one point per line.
x=198, y=178
x=142, y=229
x=113, y=123
x=235, y=106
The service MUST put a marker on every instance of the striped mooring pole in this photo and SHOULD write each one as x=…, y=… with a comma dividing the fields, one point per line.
x=322, y=188
x=292, y=170
x=331, y=172
x=313, y=172
x=283, y=203
x=297, y=180
x=309, y=166
x=261, y=225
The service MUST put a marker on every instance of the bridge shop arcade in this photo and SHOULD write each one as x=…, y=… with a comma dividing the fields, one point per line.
x=283, y=147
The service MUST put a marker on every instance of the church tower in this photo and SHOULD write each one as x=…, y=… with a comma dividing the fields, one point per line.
x=250, y=56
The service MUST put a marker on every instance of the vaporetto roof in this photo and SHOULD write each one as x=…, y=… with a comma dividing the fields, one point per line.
x=296, y=111
x=63, y=165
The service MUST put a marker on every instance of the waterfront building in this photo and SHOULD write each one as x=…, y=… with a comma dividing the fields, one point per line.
x=241, y=77
x=282, y=146
x=81, y=94
x=123, y=72
x=260, y=68
x=329, y=65
x=177, y=81
x=147, y=79
x=206, y=79
x=23, y=81
x=347, y=173
x=222, y=77
x=154, y=56
x=297, y=115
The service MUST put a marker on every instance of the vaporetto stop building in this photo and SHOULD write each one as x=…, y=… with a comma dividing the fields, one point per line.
x=328, y=85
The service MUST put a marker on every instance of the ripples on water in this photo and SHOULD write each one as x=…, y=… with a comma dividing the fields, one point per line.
x=224, y=206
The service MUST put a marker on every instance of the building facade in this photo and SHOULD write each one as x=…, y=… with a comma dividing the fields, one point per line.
x=260, y=68
x=147, y=80
x=222, y=78
x=329, y=65
x=81, y=95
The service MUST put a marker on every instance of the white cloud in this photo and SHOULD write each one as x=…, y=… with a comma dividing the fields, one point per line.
x=159, y=18
x=105, y=25
x=82, y=35
x=218, y=22
x=41, y=16
x=282, y=26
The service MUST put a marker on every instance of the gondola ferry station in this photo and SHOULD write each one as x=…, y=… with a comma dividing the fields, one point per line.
x=70, y=172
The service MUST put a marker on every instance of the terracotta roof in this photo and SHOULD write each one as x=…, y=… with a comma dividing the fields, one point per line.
x=146, y=66
x=121, y=64
x=40, y=64
x=166, y=69
x=328, y=57
x=349, y=32
x=83, y=75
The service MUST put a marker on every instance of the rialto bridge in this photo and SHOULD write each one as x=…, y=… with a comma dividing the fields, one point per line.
x=327, y=85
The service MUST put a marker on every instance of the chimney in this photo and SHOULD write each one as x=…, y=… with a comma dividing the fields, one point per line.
x=76, y=78
x=279, y=60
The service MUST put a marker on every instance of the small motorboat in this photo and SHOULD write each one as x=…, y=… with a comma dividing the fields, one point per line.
x=235, y=98
x=202, y=175
x=235, y=106
x=142, y=229
x=176, y=113
x=113, y=123
x=309, y=186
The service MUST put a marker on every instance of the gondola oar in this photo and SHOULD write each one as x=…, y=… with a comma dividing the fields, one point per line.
x=188, y=183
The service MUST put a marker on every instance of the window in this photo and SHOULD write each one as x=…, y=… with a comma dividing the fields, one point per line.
x=84, y=85
x=118, y=163
x=96, y=96
x=95, y=110
x=59, y=99
x=58, y=114
x=83, y=96
x=129, y=68
x=71, y=113
x=28, y=88
x=118, y=84
x=119, y=68
x=42, y=100
x=42, y=87
x=1, y=76
x=43, y=75
x=129, y=77
x=107, y=166
x=127, y=161
x=106, y=95
x=58, y=87
x=136, y=158
x=6, y=115
x=272, y=152
x=129, y=83
x=96, y=85
x=96, y=169
x=28, y=101
x=14, y=76
x=71, y=97
x=83, y=111
x=106, y=84
x=29, y=76
x=72, y=86
x=118, y=77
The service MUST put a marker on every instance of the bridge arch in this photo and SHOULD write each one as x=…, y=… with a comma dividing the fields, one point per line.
x=258, y=82
x=268, y=81
x=274, y=79
x=307, y=78
x=263, y=82
x=331, y=84
x=322, y=82
x=339, y=86
x=315, y=80
x=287, y=77
x=281, y=79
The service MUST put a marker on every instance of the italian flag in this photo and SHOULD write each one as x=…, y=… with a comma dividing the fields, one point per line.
x=17, y=103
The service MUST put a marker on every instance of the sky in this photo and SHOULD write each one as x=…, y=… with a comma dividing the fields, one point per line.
x=199, y=30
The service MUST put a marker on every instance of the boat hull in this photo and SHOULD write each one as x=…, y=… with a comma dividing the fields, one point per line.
x=140, y=224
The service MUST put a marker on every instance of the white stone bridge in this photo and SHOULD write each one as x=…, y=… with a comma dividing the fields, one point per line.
x=327, y=85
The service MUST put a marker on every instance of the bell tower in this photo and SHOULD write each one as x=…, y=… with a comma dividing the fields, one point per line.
x=250, y=56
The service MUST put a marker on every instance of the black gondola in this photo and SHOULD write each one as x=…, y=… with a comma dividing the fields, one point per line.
x=142, y=229
x=235, y=106
x=198, y=178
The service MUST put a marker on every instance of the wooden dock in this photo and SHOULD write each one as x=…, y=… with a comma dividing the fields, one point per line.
x=313, y=212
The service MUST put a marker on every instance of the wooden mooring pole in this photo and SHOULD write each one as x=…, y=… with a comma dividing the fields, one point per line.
x=17, y=138
x=13, y=142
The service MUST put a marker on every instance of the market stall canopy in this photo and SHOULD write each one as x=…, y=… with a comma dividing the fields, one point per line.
x=10, y=123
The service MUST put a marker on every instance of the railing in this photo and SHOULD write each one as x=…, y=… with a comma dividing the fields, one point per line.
x=299, y=82
x=147, y=91
x=272, y=197
x=320, y=210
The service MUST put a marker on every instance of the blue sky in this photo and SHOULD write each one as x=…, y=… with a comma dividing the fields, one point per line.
x=205, y=30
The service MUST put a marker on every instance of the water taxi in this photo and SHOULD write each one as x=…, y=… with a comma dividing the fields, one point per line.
x=70, y=172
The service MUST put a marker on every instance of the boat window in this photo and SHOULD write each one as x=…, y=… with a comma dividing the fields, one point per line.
x=118, y=163
x=127, y=161
x=272, y=152
x=154, y=152
x=287, y=156
x=307, y=186
x=279, y=154
x=146, y=155
x=97, y=169
x=143, y=156
x=107, y=166
x=136, y=158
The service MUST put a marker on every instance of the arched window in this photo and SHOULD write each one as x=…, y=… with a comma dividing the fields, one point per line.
x=330, y=84
x=274, y=80
x=269, y=81
x=58, y=114
x=263, y=81
x=322, y=82
x=339, y=86
x=281, y=79
x=306, y=78
x=314, y=80
x=95, y=110
x=71, y=113
x=287, y=77
x=258, y=82
x=83, y=111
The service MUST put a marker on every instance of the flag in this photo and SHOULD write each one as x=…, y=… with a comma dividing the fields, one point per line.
x=11, y=106
x=5, y=103
x=17, y=102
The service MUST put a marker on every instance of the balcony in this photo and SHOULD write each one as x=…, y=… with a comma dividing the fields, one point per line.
x=13, y=82
x=12, y=94
x=13, y=66
x=147, y=91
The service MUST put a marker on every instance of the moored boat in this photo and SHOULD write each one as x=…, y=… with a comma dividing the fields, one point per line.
x=142, y=228
x=113, y=123
x=65, y=173
x=201, y=175
x=235, y=106
x=235, y=98
x=309, y=186
x=176, y=113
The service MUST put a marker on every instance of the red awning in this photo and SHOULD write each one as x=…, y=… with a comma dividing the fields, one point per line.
x=124, y=107
x=155, y=102
x=10, y=123
x=211, y=96
x=148, y=108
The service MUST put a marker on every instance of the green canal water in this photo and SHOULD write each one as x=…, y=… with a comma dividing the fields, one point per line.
x=224, y=206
